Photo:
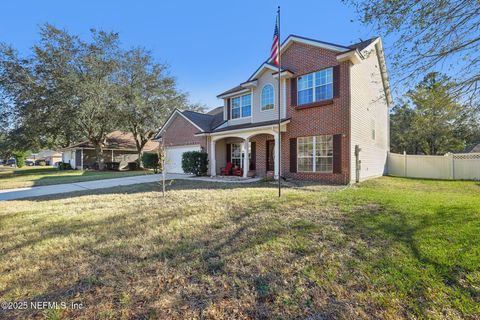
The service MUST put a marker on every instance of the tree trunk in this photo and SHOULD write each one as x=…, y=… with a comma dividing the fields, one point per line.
x=99, y=156
x=140, y=155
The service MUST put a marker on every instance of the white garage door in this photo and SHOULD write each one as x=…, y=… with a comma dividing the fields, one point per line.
x=174, y=157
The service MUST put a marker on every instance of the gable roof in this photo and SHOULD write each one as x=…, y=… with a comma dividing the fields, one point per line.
x=117, y=140
x=204, y=122
x=363, y=44
x=286, y=43
x=475, y=148
x=216, y=110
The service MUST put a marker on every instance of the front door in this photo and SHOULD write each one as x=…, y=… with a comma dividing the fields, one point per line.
x=270, y=155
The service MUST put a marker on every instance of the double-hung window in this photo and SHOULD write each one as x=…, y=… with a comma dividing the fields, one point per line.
x=313, y=87
x=242, y=106
x=315, y=154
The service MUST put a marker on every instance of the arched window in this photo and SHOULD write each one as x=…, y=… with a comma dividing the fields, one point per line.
x=267, y=97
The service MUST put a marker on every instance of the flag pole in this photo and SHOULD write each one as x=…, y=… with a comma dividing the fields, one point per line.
x=279, y=104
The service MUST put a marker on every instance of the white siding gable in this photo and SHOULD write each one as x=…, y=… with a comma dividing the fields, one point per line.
x=368, y=108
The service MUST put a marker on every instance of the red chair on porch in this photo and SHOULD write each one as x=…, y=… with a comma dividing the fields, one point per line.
x=238, y=172
x=227, y=170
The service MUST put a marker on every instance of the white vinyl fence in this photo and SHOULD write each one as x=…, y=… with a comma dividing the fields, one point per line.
x=464, y=166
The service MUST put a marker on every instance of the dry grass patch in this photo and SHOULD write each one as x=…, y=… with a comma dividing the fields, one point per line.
x=206, y=251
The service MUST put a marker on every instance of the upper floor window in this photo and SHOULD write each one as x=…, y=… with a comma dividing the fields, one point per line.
x=315, y=86
x=267, y=97
x=242, y=106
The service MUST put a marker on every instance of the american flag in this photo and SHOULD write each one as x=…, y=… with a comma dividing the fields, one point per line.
x=274, y=53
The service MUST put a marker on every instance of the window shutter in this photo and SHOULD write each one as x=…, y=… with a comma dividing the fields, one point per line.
x=229, y=152
x=337, y=153
x=253, y=162
x=293, y=92
x=293, y=154
x=336, y=81
x=228, y=109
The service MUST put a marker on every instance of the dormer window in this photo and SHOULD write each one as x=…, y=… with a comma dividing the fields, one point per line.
x=267, y=97
x=242, y=106
x=313, y=87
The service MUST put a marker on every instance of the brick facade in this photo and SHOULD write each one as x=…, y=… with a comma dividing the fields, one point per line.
x=181, y=132
x=261, y=153
x=333, y=118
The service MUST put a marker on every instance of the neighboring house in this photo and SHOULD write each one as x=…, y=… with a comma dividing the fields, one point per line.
x=472, y=149
x=49, y=156
x=333, y=98
x=119, y=147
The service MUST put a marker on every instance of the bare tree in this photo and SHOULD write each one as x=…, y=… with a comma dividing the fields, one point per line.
x=438, y=35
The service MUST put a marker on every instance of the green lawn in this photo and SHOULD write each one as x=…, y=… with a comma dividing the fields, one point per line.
x=389, y=248
x=42, y=176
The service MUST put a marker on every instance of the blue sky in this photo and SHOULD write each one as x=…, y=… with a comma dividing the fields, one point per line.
x=210, y=46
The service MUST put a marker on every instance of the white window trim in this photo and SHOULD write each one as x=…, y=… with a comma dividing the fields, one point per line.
x=313, y=157
x=314, y=86
x=241, y=109
x=261, y=94
x=241, y=153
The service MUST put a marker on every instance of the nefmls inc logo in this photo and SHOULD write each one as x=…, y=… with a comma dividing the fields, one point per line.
x=40, y=305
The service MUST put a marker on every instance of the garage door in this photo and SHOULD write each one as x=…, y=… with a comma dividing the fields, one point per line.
x=174, y=157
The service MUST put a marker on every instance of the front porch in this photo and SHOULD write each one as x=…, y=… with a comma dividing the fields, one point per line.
x=246, y=153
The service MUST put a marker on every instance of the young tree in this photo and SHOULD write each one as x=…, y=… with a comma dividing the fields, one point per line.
x=148, y=95
x=429, y=36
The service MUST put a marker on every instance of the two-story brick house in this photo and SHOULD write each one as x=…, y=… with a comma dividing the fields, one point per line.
x=334, y=100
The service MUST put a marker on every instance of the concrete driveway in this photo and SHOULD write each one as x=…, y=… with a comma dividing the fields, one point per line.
x=12, y=194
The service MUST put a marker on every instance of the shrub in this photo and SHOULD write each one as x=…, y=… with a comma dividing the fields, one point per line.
x=195, y=162
x=42, y=163
x=132, y=166
x=64, y=166
x=20, y=156
x=151, y=161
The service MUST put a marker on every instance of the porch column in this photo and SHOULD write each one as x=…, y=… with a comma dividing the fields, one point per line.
x=213, y=164
x=277, y=155
x=246, y=162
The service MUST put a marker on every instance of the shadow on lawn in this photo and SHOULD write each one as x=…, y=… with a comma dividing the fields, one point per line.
x=205, y=252
x=431, y=241
x=171, y=185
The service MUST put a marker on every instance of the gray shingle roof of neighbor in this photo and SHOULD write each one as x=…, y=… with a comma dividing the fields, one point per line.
x=475, y=148
x=216, y=110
